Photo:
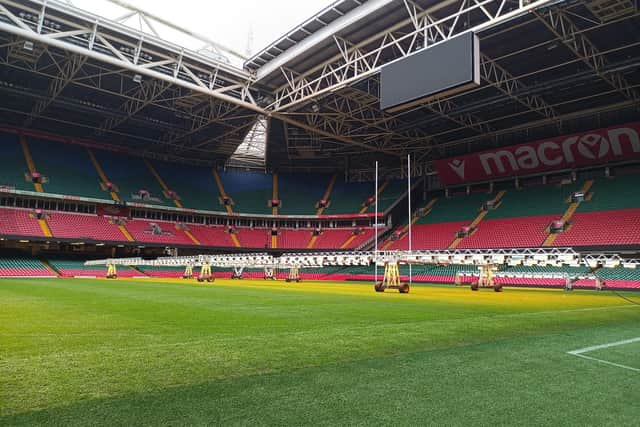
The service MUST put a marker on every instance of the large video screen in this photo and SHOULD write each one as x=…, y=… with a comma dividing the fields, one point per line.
x=443, y=69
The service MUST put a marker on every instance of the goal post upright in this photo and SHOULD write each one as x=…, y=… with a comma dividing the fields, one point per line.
x=375, y=231
x=409, y=202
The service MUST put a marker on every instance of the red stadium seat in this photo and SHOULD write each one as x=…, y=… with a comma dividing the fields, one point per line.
x=603, y=228
x=79, y=226
x=18, y=222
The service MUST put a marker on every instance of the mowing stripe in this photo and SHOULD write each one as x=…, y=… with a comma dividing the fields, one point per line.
x=368, y=329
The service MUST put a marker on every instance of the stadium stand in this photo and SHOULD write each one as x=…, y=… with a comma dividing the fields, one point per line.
x=522, y=216
x=160, y=232
x=520, y=232
x=538, y=200
x=293, y=239
x=438, y=228
x=544, y=269
x=13, y=163
x=250, y=191
x=616, y=278
x=83, y=226
x=609, y=216
x=388, y=193
x=76, y=268
x=348, y=197
x=357, y=238
x=133, y=178
x=162, y=272
x=23, y=267
x=429, y=236
x=299, y=193
x=215, y=236
x=19, y=222
x=259, y=238
x=327, y=273
x=77, y=178
x=442, y=273
x=603, y=228
x=620, y=192
x=195, y=187
x=455, y=208
x=332, y=238
x=620, y=278
x=193, y=184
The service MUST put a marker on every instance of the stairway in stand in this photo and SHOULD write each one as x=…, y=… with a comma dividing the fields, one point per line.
x=568, y=214
x=477, y=220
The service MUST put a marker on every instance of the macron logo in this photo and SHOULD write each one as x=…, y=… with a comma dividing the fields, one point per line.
x=593, y=146
x=457, y=166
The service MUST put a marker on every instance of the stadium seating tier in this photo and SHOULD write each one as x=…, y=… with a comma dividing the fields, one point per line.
x=19, y=222
x=78, y=226
x=76, y=178
x=13, y=163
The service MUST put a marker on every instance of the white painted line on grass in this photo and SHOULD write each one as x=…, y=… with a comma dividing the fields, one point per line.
x=606, y=362
x=580, y=353
x=598, y=347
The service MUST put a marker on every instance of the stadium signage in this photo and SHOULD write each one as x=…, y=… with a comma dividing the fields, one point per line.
x=570, y=151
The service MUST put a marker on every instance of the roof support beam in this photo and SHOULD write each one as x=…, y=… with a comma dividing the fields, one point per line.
x=506, y=83
x=340, y=138
x=148, y=91
x=320, y=35
x=68, y=71
x=100, y=44
x=561, y=25
x=353, y=63
x=108, y=43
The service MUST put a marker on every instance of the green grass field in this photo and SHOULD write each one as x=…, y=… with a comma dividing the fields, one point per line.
x=95, y=352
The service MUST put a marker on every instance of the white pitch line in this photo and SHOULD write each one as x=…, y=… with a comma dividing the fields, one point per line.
x=580, y=353
x=601, y=346
x=607, y=362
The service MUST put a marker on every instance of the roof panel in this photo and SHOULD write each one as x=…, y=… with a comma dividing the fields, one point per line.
x=325, y=17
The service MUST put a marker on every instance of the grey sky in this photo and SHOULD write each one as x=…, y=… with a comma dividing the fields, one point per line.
x=225, y=21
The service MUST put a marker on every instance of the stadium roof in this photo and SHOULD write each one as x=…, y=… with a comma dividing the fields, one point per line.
x=323, y=20
x=547, y=67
